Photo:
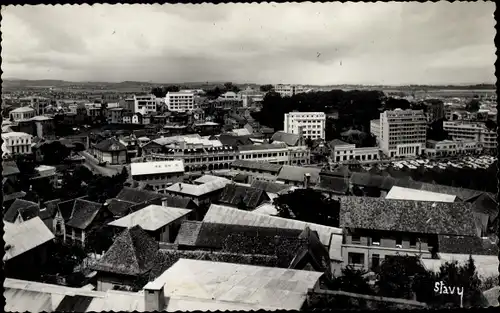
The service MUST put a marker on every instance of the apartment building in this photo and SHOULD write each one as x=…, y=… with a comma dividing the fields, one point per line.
x=180, y=101
x=145, y=104
x=22, y=113
x=278, y=153
x=311, y=123
x=16, y=143
x=450, y=148
x=115, y=115
x=343, y=152
x=289, y=90
x=159, y=174
x=470, y=131
x=403, y=133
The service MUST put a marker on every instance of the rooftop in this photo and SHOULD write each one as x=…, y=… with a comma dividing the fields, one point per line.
x=401, y=193
x=198, y=190
x=234, y=194
x=135, y=195
x=158, y=167
x=22, y=237
x=151, y=218
x=297, y=173
x=259, y=166
x=267, y=146
x=83, y=214
x=287, y=138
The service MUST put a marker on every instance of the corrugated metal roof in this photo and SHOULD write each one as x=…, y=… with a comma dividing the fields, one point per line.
x=226, y=215
x=17, y=300
x=159, y=167
x=401, y=193
x=25, y=236
x=236, y=284
x=199, y=190
x=151, y=218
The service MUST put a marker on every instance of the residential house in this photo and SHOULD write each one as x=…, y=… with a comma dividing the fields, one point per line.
x=132, y=199
x=159, y=174
x=330, y=237
x=298, y=176
x=242, y=197
x=161, y=222
x=15, y=143
x=131, y=256
x=85, y=217
x=111, y=151
x=21, y=211
x=485, y=207
x=11, y=192
x=257, y=170
x=272, y=189
x=378, y=228
x=25, y=248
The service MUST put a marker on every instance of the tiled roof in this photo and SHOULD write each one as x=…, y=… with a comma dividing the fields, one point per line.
x=234, y=194
x=83, y=213
x=27, y=209
x=179, y=202
x=137, y=195
x=466, y=245
x=259, y=166
x=9, y=168
x=408, y=216
x=269, y=187
x=188, y=233
x=288, y=138
x=50, y=210
x=132, y=253
x=374, y=181
x=110, y=144
x=120, y=207
x=296, y=173
x=25, y=236
x=485, y=204
x=66, y=208
x=234, y=141
x=240, y=178
x=151, y=218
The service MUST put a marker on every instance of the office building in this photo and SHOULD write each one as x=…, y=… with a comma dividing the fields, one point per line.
x=180, y=101
x=403, y=133
x=289, y=90
x=311, y=123
x=469, y=131
x=145, y=104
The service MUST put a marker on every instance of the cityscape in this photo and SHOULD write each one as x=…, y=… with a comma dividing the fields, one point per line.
x=292, y=156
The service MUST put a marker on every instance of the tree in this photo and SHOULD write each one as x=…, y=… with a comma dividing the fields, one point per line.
x=54, y=152
x=149, y=187
x=161, y=92
x=394, y=103
x=230, y=87
x=308, y=205
x=99, y=240
x=63, y=258
x=352, y=280
x=266, y=88
x=473, y=105
x=436, y=131
x=395, y=277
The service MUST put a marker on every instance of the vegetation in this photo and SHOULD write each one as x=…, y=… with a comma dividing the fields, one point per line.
x=436, y=131
x=473, y=105
x=266, y=88
x=161, y=92
x=308, y=205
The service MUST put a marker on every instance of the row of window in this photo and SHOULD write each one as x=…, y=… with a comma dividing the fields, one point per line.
x=375, y=241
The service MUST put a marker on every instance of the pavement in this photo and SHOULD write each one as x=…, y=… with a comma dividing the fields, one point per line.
x=93, y=164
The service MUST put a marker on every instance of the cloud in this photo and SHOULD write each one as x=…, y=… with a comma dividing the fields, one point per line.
x=391, y=43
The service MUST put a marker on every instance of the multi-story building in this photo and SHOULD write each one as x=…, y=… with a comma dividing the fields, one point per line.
x=115, y=115
x=145, y=104
x=344, y=152
x=311, y=123
x=435, y=111
x=375, y=129
x=159, y=174
x=278, y=153
x=403, y=133
x=22, y=113
x=477, y=132
x=450, y=148
x=289, y=90
x=180, y=101
x=39, y=104
x=16, y=143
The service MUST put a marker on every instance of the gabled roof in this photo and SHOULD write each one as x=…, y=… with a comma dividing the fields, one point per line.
x=234, y=194
x=137, y=195
x=312, y=252
x=234, y=141
x=27, y=209
x=288, y=138
x=198, y=190
x=50, y=209
x=83, y=214
x=407, y=216
x=296, y=173
x=66, y=208
x=337, y=142
x=269, y=187
x=119, y=207
x=132, y=253
x=188, y=233
x=25, y=236
x=485, y=203
x=401, y=193
x=335, y=184
x=151, y=218
x=179, y=202
x=110, y=144
x=259, y=166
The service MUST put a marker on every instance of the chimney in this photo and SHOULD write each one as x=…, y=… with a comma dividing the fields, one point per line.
x=154, y=297
x=164, y=202
x=307, y=180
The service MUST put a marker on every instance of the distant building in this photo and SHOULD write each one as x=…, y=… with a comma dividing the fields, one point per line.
x=16, y=143
x=472, y=132
x=145, y=104
x=159, y=174
x=343, y=152
x=435, y=111
x=115, y=115
x=451, y=148
x=111, y=151
x=375, y=129
x=22, y=113
x=312, y=124
x=289, y=90
x=180, y=101
x=403, y=133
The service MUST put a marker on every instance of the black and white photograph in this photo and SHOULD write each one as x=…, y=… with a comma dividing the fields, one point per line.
x=249, y=156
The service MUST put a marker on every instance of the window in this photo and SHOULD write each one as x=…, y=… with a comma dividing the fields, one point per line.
x=376, y=240
x=355, y=239
x=399, y=242
x=413, y=242
x=356, y=258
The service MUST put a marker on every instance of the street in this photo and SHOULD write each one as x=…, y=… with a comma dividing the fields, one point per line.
x=92, y=164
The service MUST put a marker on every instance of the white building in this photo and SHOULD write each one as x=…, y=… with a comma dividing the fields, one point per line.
x=289, y=90
x=180, y=101
x=16, y=143
x=472, y=132
x=344, y=152
x=403, y=132
x=159, y=174
x=452, y=147
x=145, y=104
x=375, y=129
x=229, y=95
x=23, y=113
x=312, y=124
x=276, y=154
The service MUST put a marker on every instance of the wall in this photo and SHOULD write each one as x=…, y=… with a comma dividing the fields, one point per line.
x=106, y=281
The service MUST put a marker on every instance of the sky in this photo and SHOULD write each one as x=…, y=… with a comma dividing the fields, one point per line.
x=392, y=43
